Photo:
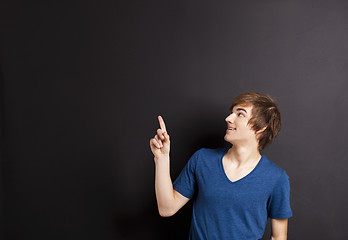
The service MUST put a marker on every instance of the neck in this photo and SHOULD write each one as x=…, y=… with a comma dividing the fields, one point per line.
x=243, y=156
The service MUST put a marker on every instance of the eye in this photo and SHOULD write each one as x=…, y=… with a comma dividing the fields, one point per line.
x=240, y=114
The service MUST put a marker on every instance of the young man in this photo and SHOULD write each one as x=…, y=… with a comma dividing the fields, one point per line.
x=234, y=189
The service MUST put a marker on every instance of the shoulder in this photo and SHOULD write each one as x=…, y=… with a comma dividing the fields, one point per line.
x=208, y=156
x=210, y=152
x=273, y=169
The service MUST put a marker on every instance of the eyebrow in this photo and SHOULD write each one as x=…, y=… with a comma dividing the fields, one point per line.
x=242, y=109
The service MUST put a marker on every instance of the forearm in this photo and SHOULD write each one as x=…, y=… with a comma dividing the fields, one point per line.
x=164, y=187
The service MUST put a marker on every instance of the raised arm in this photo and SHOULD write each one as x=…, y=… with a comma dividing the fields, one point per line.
x=169, y=201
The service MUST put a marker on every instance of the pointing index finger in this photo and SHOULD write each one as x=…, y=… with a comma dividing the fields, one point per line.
x=161, y=122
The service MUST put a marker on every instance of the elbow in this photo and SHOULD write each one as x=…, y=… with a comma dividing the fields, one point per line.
x=284, y=237
x=165, y=212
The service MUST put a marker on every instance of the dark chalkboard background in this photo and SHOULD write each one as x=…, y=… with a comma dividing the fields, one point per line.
x=83, y=81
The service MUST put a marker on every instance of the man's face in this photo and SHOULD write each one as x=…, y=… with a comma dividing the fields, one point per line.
x=238, y=130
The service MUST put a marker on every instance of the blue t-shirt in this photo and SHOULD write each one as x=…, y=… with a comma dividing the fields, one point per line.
x=237, y=210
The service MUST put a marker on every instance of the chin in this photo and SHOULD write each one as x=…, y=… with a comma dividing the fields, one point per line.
x=227, y=140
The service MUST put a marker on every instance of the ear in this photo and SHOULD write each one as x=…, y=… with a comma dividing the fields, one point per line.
x=261, y=130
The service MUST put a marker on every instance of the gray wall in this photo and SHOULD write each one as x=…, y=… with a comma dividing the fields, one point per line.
x=84, y=81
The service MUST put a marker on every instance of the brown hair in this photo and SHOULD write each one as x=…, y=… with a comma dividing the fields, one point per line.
x=264, y=113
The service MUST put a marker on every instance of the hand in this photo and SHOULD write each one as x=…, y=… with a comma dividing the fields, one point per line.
x=160, y=144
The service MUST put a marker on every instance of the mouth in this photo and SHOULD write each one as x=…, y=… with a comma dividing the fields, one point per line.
x=231, y=129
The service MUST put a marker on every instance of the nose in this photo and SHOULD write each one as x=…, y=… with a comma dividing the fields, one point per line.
x=229, y=118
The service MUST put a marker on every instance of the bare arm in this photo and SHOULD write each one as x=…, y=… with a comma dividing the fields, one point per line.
x=169, y=201
x=279, y=229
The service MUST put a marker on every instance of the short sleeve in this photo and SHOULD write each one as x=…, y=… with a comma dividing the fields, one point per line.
x=279, y=201
x=186, y=181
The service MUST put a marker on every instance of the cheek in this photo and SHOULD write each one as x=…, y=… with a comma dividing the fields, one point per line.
x=250, y=129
